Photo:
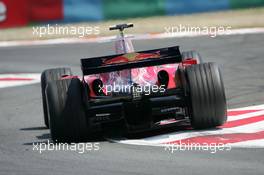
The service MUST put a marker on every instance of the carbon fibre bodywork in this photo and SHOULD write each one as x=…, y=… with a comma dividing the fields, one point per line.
x=142, y=111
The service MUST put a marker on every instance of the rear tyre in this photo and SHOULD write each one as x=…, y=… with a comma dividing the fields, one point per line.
x=207, y=96
x=66, y=111
x=46, y=77
x=192, y=55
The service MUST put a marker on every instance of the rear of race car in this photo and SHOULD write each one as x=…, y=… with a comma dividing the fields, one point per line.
x=138, y=96
x=135, y=92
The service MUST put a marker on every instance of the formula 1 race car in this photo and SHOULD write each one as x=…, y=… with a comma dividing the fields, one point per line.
x=133, y=92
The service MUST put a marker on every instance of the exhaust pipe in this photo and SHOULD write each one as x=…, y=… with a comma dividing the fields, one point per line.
x=97, y=86
x=163, y=78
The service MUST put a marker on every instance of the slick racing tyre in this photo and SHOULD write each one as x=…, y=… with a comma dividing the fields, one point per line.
x=192, y=54
x=46, y=77
x=66, y=111
x=206, y=96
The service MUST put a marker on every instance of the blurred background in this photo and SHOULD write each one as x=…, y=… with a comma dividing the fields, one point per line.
x=150, y=15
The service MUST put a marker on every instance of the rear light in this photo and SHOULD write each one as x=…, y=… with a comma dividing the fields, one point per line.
x=189, y=61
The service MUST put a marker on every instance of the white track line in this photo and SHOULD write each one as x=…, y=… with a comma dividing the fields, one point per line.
x=249, y=144
x=171, y=137
x=255, y=107
x=136, y=37
x=244, y=116
x=177, y=136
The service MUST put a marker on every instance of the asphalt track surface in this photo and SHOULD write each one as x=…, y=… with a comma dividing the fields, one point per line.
x=21, y=123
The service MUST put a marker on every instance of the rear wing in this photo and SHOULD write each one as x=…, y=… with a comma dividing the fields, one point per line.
x=96, y=65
